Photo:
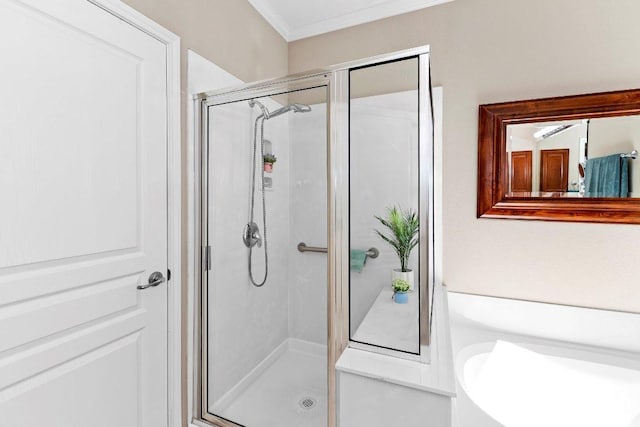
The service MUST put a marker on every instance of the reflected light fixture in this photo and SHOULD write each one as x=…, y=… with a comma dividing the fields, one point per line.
x=549, y=131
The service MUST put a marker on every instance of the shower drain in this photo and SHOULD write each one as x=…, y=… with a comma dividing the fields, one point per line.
x=307, y=403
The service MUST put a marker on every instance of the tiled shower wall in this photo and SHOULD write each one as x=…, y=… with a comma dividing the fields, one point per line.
x=384, y=173
x=246, y=323
x=308, y=213
x=385, y=161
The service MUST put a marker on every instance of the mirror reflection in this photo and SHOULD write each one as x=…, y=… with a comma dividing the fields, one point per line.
x=384, y=190
x=574, y=158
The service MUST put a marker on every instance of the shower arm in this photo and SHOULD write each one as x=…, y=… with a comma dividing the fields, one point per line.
x=265, y=112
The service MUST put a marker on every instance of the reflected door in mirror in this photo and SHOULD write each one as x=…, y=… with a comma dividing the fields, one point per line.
x=521, y=166
x=554, y=166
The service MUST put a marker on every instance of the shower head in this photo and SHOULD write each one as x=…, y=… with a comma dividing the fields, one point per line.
x=296, y=108
x=300, y=108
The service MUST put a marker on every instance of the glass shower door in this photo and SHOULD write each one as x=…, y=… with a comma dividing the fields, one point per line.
x=284, y=226
x=266, y=301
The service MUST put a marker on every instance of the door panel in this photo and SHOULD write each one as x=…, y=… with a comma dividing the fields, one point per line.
x=73, y=392
x=554, y=173
x=521, y=166
x=79, y=144
x=84, y=219
x=41, y=317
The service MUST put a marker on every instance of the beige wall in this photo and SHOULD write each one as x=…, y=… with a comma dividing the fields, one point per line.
x=234, y=36
x=230, y=33
x=500, y=50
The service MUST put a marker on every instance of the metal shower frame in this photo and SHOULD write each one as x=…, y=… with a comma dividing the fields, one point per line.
x=336, y=81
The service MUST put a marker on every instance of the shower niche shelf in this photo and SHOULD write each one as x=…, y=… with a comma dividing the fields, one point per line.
x=268, y=183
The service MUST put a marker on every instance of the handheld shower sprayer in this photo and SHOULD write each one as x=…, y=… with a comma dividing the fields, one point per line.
x=251, y=234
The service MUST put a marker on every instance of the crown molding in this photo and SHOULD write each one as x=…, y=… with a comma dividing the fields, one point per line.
x=380, y=11
x=266, y=10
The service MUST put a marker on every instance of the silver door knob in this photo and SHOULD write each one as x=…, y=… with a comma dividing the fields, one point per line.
x=154, y=280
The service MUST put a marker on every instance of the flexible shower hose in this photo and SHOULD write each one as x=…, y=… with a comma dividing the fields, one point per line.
x=264, y=210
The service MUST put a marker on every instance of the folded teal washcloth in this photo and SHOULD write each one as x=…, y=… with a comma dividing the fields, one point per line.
x=358, y=258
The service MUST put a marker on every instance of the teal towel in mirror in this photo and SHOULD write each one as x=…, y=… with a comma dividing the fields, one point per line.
x=607, y=177
x=358, y=258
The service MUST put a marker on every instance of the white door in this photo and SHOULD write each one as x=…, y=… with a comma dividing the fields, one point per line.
x=83, y=218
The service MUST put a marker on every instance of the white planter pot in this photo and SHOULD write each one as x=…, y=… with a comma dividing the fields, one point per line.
x=404, y=275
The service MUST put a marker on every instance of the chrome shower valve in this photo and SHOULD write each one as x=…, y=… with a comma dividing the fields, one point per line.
x=251, y=235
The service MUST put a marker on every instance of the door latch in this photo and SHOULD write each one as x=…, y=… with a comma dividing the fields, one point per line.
x=154, y=280
x=206, y=258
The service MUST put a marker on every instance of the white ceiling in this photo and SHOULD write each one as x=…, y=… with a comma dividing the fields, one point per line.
x=297, y=19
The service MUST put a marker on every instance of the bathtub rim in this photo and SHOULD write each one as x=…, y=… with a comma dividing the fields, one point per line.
x=469, y=331
x=602, y=356
x=594, y=327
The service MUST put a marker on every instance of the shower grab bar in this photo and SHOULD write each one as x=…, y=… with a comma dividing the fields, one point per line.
x=302, y=247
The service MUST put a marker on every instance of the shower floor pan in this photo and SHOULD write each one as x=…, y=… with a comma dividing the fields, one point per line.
x=290, y=392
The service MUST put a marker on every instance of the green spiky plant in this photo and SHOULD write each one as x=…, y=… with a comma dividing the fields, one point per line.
x=404, y=227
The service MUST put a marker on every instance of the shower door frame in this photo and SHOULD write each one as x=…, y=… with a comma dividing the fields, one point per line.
x=336, y=304
x=336, y=81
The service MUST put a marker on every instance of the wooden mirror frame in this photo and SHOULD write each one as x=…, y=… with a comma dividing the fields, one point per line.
x=492, y=159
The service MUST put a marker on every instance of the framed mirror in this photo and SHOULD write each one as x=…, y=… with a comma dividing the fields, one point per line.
x=569, y=158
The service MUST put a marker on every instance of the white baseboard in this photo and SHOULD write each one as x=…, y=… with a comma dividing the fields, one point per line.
x=229, y=397
x=309, y=347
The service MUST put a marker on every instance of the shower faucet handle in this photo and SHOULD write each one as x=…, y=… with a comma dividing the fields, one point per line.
x=251, y=235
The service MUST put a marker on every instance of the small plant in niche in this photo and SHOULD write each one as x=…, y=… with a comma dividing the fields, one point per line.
x=400, y=285
x=403, y=226
x=268, y=160
x=400, y=289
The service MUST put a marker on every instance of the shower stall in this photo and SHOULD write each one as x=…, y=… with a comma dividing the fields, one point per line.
x=273, y=312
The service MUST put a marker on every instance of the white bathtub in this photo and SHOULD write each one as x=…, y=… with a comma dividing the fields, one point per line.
x=523, y=364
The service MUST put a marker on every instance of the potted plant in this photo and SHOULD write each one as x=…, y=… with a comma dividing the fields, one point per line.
x=400, y=289
x=268, y=160
x=404, y=227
